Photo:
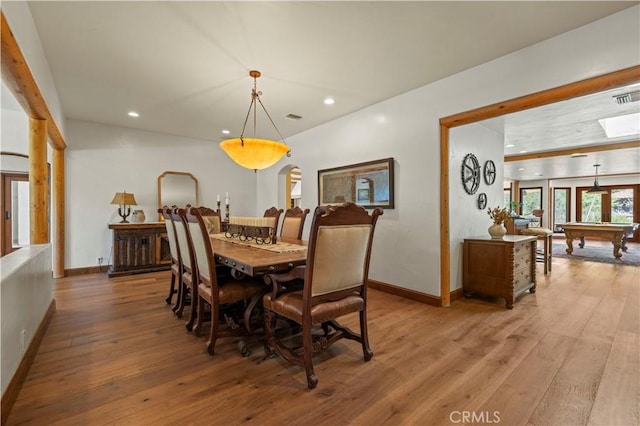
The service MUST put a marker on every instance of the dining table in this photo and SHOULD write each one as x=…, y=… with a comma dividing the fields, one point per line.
x=248, y=259
x=255, y=260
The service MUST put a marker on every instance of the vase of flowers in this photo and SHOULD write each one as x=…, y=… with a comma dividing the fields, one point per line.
x=499, y=215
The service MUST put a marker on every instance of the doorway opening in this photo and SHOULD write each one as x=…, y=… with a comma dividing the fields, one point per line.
x=592, y=85
x=15, y=212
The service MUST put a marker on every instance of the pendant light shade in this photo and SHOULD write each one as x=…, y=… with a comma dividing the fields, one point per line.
x=254, y=153
x=595, y=189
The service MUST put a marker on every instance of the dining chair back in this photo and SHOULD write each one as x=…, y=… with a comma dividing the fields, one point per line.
x=219, y=293
x=293, y=223
x=335, y=281
x=188, y=266
x=275, y=214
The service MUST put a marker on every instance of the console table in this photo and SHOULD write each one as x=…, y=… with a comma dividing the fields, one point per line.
x=501, y=268
x=138, y=248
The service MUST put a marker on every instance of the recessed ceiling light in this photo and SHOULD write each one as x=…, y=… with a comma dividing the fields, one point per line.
x=623, y=125
x=225, y=132
x=329, y=101
x=509, y=145
x=133, y=114
x=521, y=169
x=522, y=152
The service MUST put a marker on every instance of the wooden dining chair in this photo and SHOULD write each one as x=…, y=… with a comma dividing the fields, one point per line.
x=176, y=285
x=217, y=293
x=212, y=220
x=188, y=290
x=293, y=223
x=275, y=214
x=335, y=284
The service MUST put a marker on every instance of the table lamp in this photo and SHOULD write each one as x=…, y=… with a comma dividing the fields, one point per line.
x=124, y=200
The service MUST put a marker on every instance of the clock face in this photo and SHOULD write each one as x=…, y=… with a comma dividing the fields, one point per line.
x=470, y=174
x=489, y=172
x=482, y=201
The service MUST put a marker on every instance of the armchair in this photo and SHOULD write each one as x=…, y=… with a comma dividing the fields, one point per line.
x=334, y=284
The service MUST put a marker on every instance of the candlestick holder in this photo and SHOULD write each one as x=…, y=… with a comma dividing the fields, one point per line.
x=218, y=207
x=226, y=213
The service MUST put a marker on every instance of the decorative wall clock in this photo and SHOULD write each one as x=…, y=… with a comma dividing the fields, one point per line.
x=489, y=172
x=470, y=174
x=482, y=201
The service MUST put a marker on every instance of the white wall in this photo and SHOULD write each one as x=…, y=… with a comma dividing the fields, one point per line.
x=407, y=243
x=465, y=219
x=24, y=30
x=102, y=160
x=14, y=133
x=26, y=291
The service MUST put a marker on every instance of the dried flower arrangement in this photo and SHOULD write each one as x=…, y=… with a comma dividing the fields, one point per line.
x=499, y=215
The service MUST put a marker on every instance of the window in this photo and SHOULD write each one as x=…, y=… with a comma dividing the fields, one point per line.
x=531, y=199
x=507, y=197
x=561, y=207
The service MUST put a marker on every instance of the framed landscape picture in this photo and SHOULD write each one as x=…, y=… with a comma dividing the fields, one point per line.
x=368, y=184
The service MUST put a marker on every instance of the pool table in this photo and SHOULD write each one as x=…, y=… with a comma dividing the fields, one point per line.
x=617, y=233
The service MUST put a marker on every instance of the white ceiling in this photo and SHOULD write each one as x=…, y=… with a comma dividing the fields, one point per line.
x=563, y=125
x=184, y=65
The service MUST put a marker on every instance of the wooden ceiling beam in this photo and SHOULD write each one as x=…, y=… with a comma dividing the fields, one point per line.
x=18, y=78
x=576, y=150
x=580, y=88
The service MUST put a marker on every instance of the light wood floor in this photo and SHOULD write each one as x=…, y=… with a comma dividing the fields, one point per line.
x=566, y=355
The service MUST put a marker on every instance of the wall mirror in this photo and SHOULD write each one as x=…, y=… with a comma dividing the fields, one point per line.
x=177, y=188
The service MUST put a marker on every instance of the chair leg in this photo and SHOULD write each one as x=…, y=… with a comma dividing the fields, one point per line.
x=182, y=296
x=546, y=252
x=200, y=317
x=172, y=289
x=194, y=307
x=213, y=335
x=364, y=334
x=269, y=332
x=550, y=251
x=307, y=343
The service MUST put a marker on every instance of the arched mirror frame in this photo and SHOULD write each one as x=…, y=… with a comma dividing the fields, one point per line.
x=186, y=200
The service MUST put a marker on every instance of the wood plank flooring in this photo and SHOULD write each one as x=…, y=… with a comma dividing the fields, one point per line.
x=566, y=355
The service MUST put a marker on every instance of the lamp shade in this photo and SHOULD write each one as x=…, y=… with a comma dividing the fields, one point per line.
x=124, y=199
x=595, y=189
x=256, y=154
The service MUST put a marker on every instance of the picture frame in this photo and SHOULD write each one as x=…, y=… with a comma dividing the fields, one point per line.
x=369, y=184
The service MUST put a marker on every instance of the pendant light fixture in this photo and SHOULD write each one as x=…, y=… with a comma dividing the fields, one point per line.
x=596, y=188
x=254, y=153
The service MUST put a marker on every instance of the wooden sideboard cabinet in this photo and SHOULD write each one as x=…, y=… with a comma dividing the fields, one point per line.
x=500, y=268
x=138, y=248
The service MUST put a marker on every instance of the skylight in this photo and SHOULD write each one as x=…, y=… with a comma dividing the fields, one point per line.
x=623, y=125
